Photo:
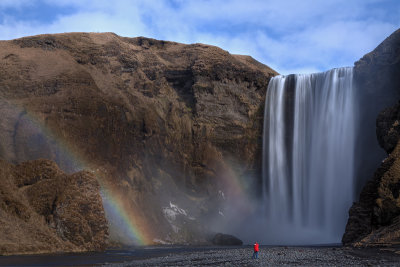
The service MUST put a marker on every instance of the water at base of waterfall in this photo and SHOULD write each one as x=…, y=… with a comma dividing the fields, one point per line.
x=308, y=157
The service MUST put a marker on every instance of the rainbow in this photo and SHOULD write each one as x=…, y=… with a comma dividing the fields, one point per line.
x=237, y=188
x=129, y=229
x=119, y=212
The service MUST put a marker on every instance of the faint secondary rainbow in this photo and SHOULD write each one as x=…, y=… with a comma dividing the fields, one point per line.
x=237, y=189
x=135, y=229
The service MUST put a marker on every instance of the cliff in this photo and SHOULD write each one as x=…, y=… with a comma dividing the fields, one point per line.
x=374, y=219
x=44, y=210
x=164, y=126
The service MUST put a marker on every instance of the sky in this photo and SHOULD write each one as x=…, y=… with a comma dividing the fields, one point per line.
x=291, y=36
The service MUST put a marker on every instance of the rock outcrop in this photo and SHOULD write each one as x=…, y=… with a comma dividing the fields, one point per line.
x=44, y=210
x=374, y=219
x=159, y=121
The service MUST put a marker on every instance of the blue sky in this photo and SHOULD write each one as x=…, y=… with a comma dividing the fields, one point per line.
x=291, y=36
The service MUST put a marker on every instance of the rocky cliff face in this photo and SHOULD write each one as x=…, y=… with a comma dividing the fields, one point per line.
x=162, y=123
x=374, y=219
x=44, y=210
x=376, y=76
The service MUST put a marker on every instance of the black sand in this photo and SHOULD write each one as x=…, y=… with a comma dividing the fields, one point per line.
x=276, y=256
x=215, y=256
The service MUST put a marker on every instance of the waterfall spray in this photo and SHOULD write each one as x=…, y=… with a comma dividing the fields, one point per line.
x=308, y=157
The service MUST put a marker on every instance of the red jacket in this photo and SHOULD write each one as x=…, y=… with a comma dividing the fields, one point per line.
x=256, y=249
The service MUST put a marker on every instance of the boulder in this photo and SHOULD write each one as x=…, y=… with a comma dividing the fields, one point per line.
x=226, y=240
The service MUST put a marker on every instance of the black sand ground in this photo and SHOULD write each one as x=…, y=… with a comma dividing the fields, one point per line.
x=276, y=256
x=214, y=256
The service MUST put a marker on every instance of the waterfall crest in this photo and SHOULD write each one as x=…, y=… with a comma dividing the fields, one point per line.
x=308, y=157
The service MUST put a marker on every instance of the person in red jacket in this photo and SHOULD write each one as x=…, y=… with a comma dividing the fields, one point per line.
x=256, y=249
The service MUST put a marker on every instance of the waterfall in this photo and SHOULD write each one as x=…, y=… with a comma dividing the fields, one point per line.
x=308, y=157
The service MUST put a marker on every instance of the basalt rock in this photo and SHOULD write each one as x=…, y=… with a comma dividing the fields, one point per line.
x=374, y=219
x=44, y=210
x=159, y=121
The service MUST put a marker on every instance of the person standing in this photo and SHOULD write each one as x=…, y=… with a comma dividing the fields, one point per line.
x=256, y=249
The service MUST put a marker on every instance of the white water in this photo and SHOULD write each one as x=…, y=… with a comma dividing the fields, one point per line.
x=308, y=154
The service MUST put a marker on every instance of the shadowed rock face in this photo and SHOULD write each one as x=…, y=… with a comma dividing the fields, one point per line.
x=374, y=219
x=45, y=210
x=377, y=79
x=158, y=121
